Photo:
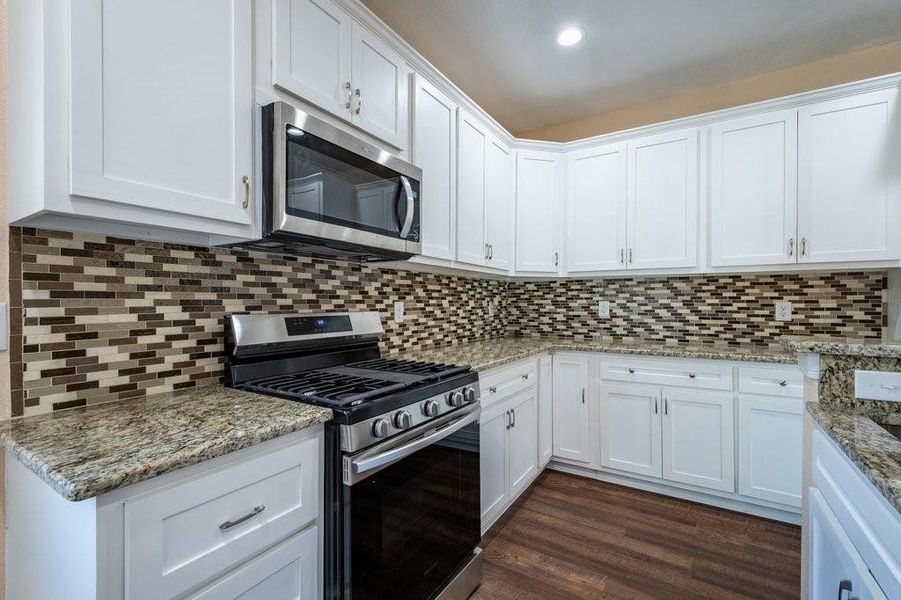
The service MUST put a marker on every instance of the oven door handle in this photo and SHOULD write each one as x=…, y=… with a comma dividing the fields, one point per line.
x=408, y=218
x=358, y=468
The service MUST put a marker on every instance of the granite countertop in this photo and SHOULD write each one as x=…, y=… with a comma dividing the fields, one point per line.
x=875, y=451
x=487, y=354
x=842, y=346
x=85, y=452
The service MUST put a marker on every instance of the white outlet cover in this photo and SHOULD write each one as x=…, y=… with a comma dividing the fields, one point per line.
x=603, y=309
x=399, y=311
x=877, y=385
x=783, y=310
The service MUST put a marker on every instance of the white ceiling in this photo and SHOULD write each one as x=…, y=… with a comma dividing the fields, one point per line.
x=503, y=54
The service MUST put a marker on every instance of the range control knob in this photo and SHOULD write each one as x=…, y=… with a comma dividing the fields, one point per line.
x=380, y=428
x=402, y=419
x=469, y=394
x=455, y=398
x=430, y=408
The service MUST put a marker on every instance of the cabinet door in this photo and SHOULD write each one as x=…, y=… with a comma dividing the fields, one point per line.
x=537, y=203
x=435, y=152
x=380, y=75
x=545, y=408
x=663, y=201
x=754, y=203
x=312, y=53
x=699, y=438
x=571, y=423
x=523, y=440
x=498, y=204
x=596, y=209
x=849, y=195
x=471, y=247
x=630, y=429
x=162, y=105
x=290, y=571
x=769, y=448
x=493, y=461
x=836, y=569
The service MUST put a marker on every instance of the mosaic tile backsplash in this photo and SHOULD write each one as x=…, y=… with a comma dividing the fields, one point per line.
x=95, y=318
x=715, y=309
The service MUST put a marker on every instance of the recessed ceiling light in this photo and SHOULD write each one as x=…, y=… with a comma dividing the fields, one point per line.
x=570, y=36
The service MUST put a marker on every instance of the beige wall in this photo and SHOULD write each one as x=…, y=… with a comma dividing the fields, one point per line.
x=4, y=286
x=853, y=66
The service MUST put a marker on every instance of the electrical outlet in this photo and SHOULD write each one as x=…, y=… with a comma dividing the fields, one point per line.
x=783, y=310
x=399, y=311
x=604, y=309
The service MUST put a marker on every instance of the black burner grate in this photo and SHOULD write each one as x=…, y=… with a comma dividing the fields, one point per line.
x=412, y=367
x=328, y=388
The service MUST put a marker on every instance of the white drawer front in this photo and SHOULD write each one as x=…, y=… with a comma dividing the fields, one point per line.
x=501, y=383
x=702, y=375
x=872, y=524
x=771, y=382
x=290, y=571
x=179, y=537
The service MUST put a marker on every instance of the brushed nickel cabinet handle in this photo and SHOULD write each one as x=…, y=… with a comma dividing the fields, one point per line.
x=845, y=586
x=556, y=258
x=350, y=95
x=256, y=510
x=665, y=405
x=656, y=409
x=622, y=256
x=486, y=251
x=583, y=395
x=507, y=414
x=513, y=410
x=359, y=101
x=791, y=246
x=803, y=246
x=246, y=181
x=630, y=256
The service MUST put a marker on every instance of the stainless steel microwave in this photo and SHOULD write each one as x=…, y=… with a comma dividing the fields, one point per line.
x=328, y=192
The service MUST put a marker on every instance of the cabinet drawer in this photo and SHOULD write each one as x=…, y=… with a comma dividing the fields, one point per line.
x=290, y=570
x=771, y=382
x=181, y=536
x=703, y=375
x=870, y=522
x=497, y=384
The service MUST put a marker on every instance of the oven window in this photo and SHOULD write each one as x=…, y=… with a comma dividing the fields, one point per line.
x=327, y=183
x=416, y=521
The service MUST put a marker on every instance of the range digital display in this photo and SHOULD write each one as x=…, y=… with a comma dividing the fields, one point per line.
x=320, y=324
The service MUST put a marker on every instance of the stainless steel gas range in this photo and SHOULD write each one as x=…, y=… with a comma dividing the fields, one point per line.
x=401, y=457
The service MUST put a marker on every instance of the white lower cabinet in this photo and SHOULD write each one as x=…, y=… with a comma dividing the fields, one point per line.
x=836, y=568
x=699, y=438
x=571, y=414
x=630, y=429
x=509, y=451
x=769, y=448
x=244, y=525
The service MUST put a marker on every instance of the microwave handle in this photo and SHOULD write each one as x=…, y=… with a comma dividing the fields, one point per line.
x=408, y=219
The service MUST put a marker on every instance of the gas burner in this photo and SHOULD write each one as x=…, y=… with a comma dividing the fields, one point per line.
x=325, y=387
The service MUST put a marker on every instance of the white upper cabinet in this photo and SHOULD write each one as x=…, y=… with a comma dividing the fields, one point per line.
x=663, y=200
x=313, y=52
x=538, y=202
x=472, y=140
x=499, y=204
x=161, y=109
x=325, y=57
x=849, y=193
x=435, y=152
x=754, y=190
x=596, y=209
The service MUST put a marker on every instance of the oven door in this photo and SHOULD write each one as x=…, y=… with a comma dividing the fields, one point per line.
x=330, y=186
x=413, y=509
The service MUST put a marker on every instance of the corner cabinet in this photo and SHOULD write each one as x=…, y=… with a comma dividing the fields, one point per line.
x=538, y=206
x=322, y=55
x=435, y=152
x=139, y=113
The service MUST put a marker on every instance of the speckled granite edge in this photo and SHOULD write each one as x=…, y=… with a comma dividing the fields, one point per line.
x=874, y=451
x=842, y=347
x=488, y=354
x=85, y=452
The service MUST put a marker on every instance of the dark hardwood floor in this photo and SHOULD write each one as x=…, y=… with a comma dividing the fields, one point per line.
x=572, y=537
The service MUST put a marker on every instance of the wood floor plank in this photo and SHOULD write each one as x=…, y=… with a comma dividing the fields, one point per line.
x=573, y=538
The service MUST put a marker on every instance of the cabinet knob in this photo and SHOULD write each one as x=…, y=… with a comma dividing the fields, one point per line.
x=691, y=375
x=525, y=375
x=631, y=370
x=783, y=383
x=492, y=389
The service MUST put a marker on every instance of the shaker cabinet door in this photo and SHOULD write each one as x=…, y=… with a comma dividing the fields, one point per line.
x=630, y=429
x=161, y=106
